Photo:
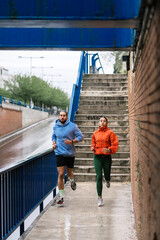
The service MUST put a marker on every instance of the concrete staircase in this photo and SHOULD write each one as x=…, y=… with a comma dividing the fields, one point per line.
x=103, y=95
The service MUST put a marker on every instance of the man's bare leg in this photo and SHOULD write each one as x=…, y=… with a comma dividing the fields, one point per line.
x=70, y=173
x=71, y=178
x=61, y=171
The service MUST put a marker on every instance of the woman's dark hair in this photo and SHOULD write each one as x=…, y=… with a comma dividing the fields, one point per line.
x=105, y=118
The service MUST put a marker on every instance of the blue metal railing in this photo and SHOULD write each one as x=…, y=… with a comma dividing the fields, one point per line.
x=95, y=57
x=0, y=100
x=12, y=101
x=74, y=102
x=86, y=62
x=23, y=187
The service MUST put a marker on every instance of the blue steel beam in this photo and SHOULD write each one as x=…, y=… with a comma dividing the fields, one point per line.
x=69, y=13
x=75, y=39
x=69, y=9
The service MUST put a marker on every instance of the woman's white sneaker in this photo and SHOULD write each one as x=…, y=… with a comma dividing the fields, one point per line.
x=100, y=202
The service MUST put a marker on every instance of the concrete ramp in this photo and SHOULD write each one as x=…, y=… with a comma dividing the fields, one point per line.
x=81, y=218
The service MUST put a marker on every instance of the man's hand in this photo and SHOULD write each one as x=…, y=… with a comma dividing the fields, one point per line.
x=105, y=150
x=68, y=142
x=54, y=146
x=92, y=149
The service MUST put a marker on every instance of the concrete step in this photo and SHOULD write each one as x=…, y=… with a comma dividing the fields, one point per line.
x=110, y=107
x=90, y=177
x=113, y=128
x=90, y=169
x=89, y=154
x=104, y=98
x=122, y=148
x=111, y=117
x=96, y=123
x=109, y=77
x=104, y=88
x=87, y=141
x=103, y=93
x=105, y=102
x=95, y=82
x=118, y=133
x=115, y=161
x=104, y=112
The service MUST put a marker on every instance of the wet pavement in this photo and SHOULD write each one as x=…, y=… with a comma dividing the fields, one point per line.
x=26, y=142
x=81, y=218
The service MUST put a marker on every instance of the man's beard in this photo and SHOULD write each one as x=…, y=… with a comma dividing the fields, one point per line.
x=62, y=121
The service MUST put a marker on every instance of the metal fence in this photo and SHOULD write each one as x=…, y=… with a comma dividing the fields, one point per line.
x=23, y=187
x=16, y=102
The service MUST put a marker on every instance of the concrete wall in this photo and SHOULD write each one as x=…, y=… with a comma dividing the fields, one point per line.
x=144, y=117
x=29, y=116
x=10, y=120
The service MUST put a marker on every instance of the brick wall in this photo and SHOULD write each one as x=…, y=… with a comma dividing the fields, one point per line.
x=29, y=115
x=144, y=116
x=10, y=120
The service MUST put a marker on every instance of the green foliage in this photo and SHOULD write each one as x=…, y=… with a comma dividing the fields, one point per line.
x=5, y=93
x=24, y=89
x=20, y=88
x=118, y=62
x=108, y=57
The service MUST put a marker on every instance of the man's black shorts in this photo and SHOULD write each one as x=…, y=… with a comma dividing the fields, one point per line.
x=65, y=161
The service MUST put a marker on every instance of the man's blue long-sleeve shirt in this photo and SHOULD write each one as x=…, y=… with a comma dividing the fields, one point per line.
x=61, y=132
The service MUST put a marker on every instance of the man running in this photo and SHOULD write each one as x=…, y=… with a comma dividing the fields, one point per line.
x=65, y=134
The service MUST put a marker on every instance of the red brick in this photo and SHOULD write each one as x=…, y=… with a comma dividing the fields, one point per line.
x=144, y=126
x=11, y=120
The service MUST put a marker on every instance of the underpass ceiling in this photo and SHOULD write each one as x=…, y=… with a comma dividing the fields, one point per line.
x=62, y=24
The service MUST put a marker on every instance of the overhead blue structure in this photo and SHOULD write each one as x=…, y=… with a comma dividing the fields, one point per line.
x=66, y=38
x=69, y=24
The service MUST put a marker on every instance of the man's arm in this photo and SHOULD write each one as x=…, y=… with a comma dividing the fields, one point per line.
x=54, y=145
x=78, y=134
x=54, y=140
x=68, y=142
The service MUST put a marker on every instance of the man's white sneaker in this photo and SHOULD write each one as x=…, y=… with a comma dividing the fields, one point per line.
x=60, y=202
x=100, y=202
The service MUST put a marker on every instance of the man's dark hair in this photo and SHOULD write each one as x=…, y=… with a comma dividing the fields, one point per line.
x=64, y=111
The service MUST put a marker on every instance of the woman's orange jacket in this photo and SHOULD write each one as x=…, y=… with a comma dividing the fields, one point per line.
x=104, y=138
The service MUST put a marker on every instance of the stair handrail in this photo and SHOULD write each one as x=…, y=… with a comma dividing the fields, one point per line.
x=94, y=62
x=83, y=68
x=74, y=102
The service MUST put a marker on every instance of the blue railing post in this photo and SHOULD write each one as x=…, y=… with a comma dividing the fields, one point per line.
x=0, y=100
x=94, y=61
x=86, y=63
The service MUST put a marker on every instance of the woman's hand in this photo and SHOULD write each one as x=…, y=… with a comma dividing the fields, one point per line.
x=105, y=150
x=92, y=149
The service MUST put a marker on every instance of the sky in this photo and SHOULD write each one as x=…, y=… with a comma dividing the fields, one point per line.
x=59, y=68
